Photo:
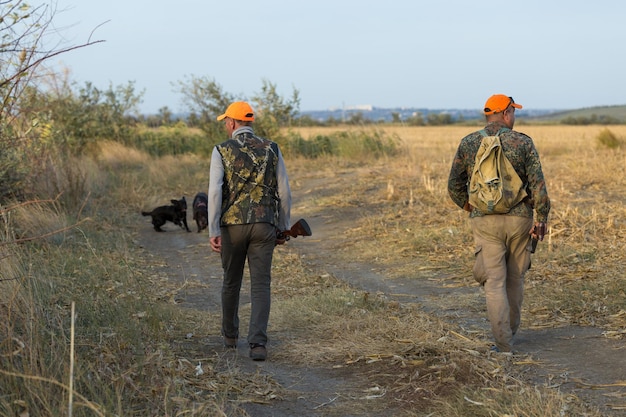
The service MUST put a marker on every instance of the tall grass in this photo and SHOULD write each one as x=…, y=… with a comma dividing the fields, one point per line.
x=75, y=247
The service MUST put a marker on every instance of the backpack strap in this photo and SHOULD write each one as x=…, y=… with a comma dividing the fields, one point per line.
x=484, y=133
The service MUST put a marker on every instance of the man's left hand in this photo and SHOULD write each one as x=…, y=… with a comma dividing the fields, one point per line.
x=539, y=230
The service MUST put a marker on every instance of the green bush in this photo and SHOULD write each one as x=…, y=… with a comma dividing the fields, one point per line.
x=594, y=119
x=172, y=140
x=345, y=144
x=608, y=139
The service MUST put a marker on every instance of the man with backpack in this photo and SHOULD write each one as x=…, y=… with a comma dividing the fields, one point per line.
x=507, y=195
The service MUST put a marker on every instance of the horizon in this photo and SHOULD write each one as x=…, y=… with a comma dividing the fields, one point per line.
x=364, y=109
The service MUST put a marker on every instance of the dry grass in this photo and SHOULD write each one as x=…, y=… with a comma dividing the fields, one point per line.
x=416, y=227
x=407, y=362
x=407, y=224
x=403, y=222
x=123, y=361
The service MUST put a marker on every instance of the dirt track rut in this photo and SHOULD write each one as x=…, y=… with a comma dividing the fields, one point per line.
x=573, y=359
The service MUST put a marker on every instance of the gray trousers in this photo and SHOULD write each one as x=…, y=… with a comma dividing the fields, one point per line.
x=502, y=249
x=254, y=242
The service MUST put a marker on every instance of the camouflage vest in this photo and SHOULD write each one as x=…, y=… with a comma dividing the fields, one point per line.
x=250, y=190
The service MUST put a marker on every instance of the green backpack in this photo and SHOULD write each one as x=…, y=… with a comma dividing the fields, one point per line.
x=495, y=187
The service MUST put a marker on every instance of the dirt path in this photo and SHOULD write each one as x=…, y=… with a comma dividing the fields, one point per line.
x=573, y=359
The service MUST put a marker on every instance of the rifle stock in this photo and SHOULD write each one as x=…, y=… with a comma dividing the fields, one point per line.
x=300, y=228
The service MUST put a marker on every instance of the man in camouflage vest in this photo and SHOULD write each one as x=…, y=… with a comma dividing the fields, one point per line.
x=503, y=242
x=249, y=205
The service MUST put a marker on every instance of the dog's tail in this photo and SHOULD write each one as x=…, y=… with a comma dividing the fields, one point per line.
x=145, y=213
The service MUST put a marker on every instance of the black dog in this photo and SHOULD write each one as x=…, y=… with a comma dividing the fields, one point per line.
x=201, y=211
x=176, y=213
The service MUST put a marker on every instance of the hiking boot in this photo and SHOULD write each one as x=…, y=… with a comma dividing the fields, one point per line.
x=257, y=352
x=496, y=349
x=230, y=342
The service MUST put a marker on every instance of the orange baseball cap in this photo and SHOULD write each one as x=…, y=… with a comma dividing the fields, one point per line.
x=239, y=110
x=499, y=103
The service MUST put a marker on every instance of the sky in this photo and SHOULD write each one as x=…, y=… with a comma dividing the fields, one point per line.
x=440, y=54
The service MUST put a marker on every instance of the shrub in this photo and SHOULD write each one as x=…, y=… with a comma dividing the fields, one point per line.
x=172, y=140
x=608, y=139
x=345, y=144
x=594, y=119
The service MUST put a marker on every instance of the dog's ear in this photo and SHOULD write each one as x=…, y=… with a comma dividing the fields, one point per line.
x=175, y=202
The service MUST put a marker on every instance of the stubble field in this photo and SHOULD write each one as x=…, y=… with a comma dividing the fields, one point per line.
x=407, y=227
x=375, y=314
x=580, y=265
x=381, y=300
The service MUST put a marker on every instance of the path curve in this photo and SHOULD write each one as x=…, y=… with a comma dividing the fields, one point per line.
x=579, y=360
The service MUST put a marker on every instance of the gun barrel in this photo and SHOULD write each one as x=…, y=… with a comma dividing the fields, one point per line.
x=533, y=245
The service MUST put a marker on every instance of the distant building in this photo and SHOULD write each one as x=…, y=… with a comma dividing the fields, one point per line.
x=358, y=107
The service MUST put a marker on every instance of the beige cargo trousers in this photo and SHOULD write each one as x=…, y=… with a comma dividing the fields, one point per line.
x=502, y=250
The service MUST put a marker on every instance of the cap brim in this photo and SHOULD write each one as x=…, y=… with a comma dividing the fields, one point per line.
x=517, y=106
x=221, y=117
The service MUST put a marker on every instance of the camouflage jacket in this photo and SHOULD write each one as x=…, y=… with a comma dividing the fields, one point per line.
x=250, y=188
x=520, y=150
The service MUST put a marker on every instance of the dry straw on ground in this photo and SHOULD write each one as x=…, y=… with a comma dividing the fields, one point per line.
x=406, y=223
x=401, y=221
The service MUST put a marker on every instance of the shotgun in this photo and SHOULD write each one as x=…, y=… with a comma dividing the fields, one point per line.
x=533, y=244
x=300, y=228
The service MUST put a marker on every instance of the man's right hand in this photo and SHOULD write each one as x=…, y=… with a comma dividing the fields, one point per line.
x=216, y=244
x=281, y=238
